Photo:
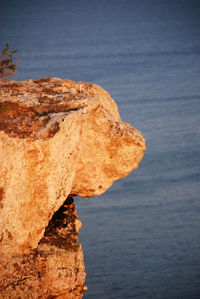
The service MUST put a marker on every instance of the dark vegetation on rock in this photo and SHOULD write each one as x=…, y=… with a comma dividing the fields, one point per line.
x=7, y=66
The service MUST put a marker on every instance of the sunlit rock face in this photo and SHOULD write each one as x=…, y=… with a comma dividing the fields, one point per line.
x=57, y=138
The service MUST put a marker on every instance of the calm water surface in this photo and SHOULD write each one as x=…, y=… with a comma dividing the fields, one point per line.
x=141, y=239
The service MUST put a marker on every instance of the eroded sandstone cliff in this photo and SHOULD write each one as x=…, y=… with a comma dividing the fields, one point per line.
x=58, y=139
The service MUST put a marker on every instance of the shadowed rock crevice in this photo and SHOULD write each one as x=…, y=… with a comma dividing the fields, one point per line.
x=62, y=230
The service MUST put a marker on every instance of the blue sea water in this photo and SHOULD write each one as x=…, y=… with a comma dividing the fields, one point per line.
x=141, y=239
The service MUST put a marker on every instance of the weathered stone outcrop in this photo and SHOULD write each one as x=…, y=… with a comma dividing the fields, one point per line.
x=58, y=139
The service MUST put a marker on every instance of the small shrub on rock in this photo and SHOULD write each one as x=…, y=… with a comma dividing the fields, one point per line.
x=7, y=66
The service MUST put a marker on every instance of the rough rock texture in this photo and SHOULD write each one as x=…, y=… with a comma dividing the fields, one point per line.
x=55, y=269
x=57, y=138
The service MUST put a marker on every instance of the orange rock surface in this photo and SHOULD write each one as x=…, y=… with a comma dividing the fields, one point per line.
x=57, y=138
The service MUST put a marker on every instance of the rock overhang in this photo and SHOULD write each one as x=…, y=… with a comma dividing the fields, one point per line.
x=57, y=137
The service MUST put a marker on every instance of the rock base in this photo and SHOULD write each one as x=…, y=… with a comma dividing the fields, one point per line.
x=55, y=269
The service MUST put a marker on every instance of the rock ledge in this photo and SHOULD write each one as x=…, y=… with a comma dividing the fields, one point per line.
x=58, y=138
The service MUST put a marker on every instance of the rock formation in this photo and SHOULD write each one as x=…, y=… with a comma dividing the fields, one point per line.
x=58, y=139
x=55, y=269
